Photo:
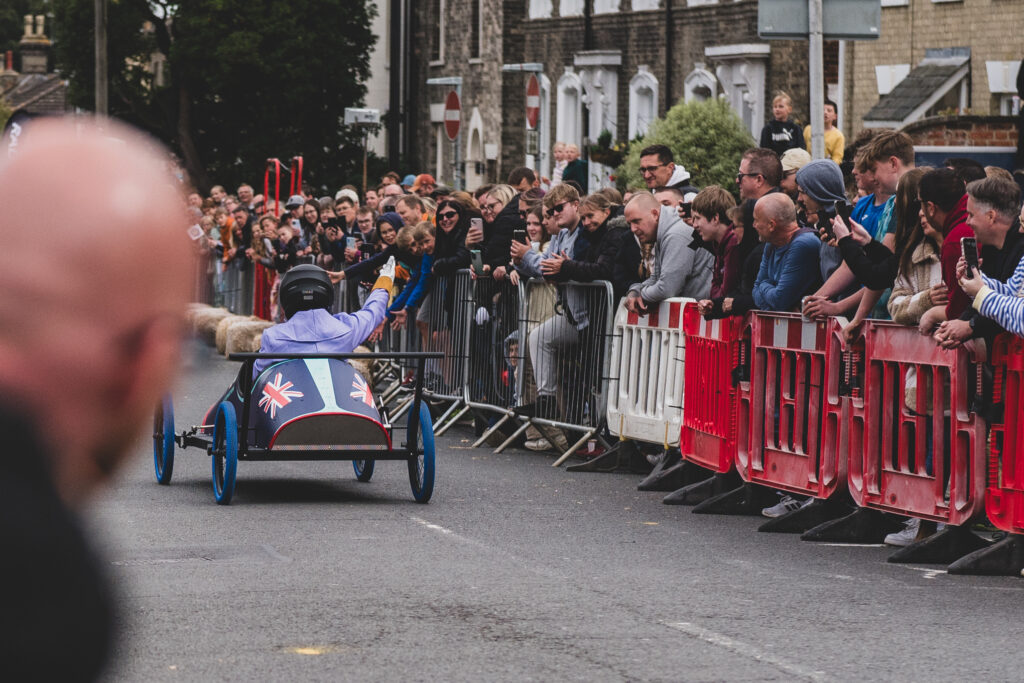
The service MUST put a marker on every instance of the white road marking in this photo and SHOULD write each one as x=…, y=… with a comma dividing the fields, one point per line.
x=928, y=573
x=436, y=527
x=852, y=545
x=745, y=650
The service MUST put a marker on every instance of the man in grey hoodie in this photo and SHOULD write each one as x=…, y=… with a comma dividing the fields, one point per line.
x=677, y=270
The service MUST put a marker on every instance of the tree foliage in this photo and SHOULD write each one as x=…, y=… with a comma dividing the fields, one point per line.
x=707, y=138
x=242, y=81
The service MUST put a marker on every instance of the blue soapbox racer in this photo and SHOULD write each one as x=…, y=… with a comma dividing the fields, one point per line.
x=303, y=407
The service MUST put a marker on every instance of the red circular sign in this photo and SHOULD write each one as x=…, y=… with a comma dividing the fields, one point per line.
x=452, y=115
x=532, y=101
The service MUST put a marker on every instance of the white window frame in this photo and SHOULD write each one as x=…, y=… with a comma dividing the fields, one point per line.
x=441, y=23
x=567, y=119
x=700, y=76
x=576, y=8
x=539, y=9
x=642, y=80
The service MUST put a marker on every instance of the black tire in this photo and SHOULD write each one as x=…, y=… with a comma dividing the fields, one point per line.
x=224, y=460
x=421, y=467
x=163, y=441
x=364, y=469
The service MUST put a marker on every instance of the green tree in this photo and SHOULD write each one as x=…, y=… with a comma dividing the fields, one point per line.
x=241, y=81
x=707, y=138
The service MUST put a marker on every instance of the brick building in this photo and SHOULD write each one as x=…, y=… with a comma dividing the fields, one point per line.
x=612, y=65
x=35, y=89
x=937, y=58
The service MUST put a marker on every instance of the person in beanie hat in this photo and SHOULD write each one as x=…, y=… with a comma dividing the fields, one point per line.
x=821, y=185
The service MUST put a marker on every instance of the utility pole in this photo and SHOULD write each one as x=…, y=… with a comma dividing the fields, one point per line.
x=816, y=80
x=101, y=56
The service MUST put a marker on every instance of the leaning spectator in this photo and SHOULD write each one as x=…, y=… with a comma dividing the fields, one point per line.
x=414, y=239
x=450, y=252
x=781, y=133
x=919, y=286
x=992, y=214
x=760, y=172
x=677, y=270
x=607, y=236
x=424, y=185
x=500, y=212
x=523, y=179
x=790, y=260
x=411, y=209
x=562, y=205
x=710, y=220
x=792, y=161
x=944, y=205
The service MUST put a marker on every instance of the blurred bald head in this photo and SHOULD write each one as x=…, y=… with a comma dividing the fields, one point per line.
x=775, y=218
x=95, y=273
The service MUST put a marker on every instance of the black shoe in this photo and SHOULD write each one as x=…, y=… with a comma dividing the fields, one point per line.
x=545, y=407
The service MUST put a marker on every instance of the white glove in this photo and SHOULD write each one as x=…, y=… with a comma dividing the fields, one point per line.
x=482, y=316
x=388, y=269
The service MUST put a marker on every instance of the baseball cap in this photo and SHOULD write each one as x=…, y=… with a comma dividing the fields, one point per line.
x=347, y=193
x=794, y=159
x=408, y=180
x=294, y=202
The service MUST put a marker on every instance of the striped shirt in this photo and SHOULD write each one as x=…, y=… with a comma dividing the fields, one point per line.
x=1004, y=301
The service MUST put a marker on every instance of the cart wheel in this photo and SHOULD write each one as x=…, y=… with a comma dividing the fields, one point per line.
x=363, y=468
x=225, y=453
x=163, y=441
x=421, y=469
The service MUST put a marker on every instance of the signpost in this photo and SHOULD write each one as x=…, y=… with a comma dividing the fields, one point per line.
x=368, y=121
x=452, y=115
x=532, y=102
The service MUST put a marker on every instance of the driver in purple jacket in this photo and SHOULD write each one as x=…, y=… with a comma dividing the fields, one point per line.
x=306, y=293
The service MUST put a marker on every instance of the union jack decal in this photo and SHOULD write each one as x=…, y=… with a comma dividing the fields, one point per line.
x=277, y=395
x=361, y=390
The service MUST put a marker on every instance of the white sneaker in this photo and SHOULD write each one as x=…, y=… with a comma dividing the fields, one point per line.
x=907, y=536
x=787, y=504
x=540, y=444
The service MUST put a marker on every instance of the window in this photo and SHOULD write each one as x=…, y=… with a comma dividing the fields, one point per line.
x=572, y=8
x=478, y=29
x=741, y=71
x=643, y=101
x=888, y=75
x=570, y=108
x=641, y=5
x=606, y=6
x=540, y=9
x=700, y=84
x=437, y=48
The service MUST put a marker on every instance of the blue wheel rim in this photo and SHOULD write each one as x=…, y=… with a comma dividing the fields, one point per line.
x=163, y=441
x=363, y=469
x=224, y=460
x=421, y=468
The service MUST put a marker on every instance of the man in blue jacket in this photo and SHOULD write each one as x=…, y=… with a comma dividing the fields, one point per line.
x=789, y=266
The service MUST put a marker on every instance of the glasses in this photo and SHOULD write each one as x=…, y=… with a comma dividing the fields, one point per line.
x=644, y=170
x=491, y=208
x=447, y=214
x=740, y=176
x=556, y=209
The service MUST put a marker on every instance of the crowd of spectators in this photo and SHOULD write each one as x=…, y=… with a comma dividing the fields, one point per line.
x=881, y=241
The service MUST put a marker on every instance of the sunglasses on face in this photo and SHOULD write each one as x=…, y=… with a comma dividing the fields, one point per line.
x=644, y=170
x=446, y=215
x=741, y=176
x=557, y=208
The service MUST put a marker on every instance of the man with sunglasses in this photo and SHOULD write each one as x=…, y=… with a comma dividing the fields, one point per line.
x=658, y=168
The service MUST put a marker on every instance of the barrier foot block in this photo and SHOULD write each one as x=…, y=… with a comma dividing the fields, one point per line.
x=943, y=547
x=861, y=526
x=703, y=486
x=621, y=456
x=804, y=518
x=1002, y=558
x=747, y=499
x=667, y=475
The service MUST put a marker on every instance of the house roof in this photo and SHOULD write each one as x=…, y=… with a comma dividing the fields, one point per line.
x=932, y=75
x=37, y=93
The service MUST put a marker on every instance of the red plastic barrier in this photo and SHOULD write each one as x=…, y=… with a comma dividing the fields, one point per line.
x=715, y=363
x=1004, y=498
x=295, y=183
x=791, y=408
x=915, y=446
x=275, y=166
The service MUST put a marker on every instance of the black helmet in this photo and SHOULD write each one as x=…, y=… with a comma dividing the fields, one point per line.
x=305, y=288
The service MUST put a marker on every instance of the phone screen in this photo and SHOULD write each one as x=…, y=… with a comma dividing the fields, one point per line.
x=969, y=248
x=477, y=261
x=519, y=235
x=843, y=210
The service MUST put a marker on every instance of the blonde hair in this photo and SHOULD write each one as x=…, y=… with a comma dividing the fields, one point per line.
x=405, y=237
x=423, y=230
x=783, y=97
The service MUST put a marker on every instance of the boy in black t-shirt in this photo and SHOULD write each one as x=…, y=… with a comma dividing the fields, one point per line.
x=781, y=133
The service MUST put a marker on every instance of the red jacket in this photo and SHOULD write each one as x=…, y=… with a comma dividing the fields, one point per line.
x=954, y=228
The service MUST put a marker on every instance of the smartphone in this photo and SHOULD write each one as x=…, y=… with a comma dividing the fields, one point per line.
x=195, y=232
x=969, y=248
x=350, y=242
x=824, y=224
x=477, y=223
x=296, y=224
x=476, y=261
x=843, y=210
x=519, y=235
x=686, y=211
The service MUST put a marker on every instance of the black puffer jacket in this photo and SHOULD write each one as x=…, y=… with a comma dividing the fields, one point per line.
x=450, y=252
x=602, y=259
x=499, y=239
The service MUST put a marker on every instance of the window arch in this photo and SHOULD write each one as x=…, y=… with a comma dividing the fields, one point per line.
x=643, y=101
x=700, y=84
x=570, y=108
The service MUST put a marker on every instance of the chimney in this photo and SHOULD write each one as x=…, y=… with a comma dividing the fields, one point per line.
x=8, y=76
x=34, y=46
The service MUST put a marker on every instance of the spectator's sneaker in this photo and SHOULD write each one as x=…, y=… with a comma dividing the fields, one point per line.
x=540, y=444
x=787, y=504
x=904, y=538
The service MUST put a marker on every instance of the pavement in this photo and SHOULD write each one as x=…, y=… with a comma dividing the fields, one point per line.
x=514, y=571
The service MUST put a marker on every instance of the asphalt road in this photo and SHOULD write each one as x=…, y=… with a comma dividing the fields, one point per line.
x=514, y=571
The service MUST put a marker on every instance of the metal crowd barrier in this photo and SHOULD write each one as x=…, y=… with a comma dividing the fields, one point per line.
x=717, y=361
x=566, y=352
x=646, y=387
x=237, y=279
x=204, y=266
x=916, y=447
x=791, y=409
x=445, y=312
x=496, y=357
x=1004, y=498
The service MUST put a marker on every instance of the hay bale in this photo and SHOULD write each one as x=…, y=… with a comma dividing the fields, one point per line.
x=221, y=335
x=204, y=323
x=363, y=367
x=245, y=336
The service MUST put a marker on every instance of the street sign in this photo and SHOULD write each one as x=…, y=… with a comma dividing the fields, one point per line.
x=452, y=115
x=532, y=142
x=532, y=101
x=841, y=19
